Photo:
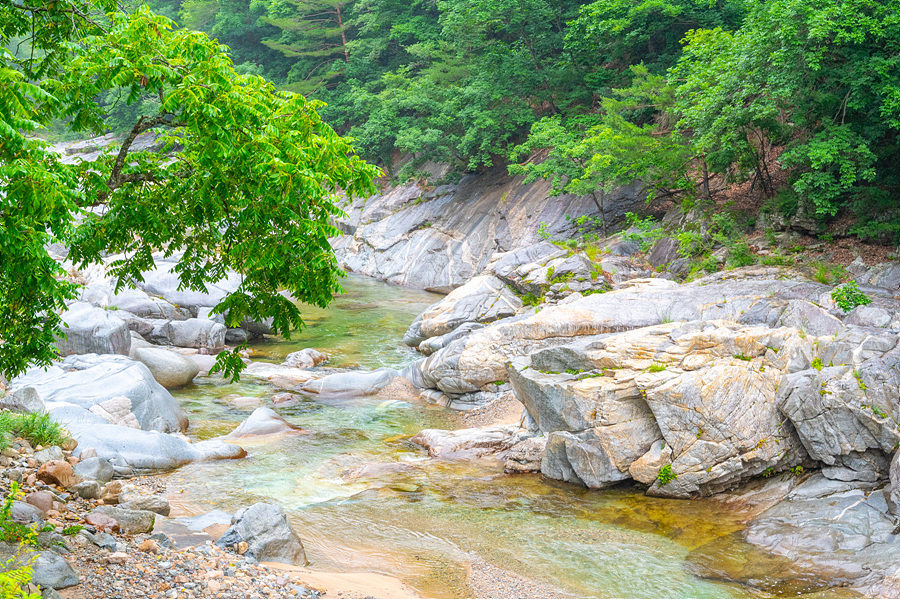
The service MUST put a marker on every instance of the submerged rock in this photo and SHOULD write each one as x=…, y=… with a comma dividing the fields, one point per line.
x=263, y=421
x=467, y=443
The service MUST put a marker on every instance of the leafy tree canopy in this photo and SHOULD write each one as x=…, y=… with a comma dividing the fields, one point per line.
x=251, y=189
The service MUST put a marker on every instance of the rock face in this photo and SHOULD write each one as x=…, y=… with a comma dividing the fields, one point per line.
x=108, y=383
x=467, y=364
x=90, y=330
x=268, y=534
x=449, y=234
x=170, y=370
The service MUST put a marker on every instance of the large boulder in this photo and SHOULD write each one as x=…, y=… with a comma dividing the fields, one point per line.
x=106, y=384
x=195, y=332
x=90, y=330
x=483, y=299
x=133, y=301
x=171, y=370
x=268, y=534
x=130, y=521
x=697, y=397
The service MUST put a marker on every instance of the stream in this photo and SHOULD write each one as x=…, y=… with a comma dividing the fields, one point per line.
x=363, y=498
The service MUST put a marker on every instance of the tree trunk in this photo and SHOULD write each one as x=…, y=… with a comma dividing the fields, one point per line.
x=343, y=34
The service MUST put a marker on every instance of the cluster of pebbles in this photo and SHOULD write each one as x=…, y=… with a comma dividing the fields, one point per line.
x=102, y=544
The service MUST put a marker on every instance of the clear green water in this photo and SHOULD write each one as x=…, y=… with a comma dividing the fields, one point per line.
x=421, y=521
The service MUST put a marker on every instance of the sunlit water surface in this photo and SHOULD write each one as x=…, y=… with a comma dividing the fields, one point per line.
x=363, y=498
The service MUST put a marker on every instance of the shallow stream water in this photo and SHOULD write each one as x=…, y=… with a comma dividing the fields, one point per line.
x=363, y=498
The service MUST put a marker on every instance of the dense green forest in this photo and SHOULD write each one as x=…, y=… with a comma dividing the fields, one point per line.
x=799, y=97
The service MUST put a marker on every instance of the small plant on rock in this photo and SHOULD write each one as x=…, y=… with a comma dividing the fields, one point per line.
x=666, y=475
x=849, y=296
x=657, y=367
x=817, y=363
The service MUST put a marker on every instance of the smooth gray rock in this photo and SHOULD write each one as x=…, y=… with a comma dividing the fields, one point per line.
x=130, y=521
x=25, y=513
x=99, y=383
x=432, y=344
x=133, y=301
x=88, y=489
x=90, y=330
x=268, y=534
x=95, y=468
x=466, y=443
x=49, y=569
x=171, y=370
x=146, y=451
x=146, y=503
x=263, y=421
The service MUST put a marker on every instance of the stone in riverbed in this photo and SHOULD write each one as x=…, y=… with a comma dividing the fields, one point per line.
x=91, y=380
x=351, y=384
x=51, y=570
x=50, y=453
x=171, y=370
x=89, y=489
x=483, y=299
x=305, y=358
x=267, y=533
x=130, y=521
x=263, y=421
x=94, y=468
x=42, y=500
x=466, y=443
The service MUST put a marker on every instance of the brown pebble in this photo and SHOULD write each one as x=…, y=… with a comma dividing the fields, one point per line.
x=103, y=522
x=117, y=558
x=57, y=472
x=149, y=546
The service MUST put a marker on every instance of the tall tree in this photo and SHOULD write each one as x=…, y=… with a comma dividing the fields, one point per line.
x=252, y=188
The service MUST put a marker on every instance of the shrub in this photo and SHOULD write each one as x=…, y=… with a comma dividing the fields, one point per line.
x=849, y=296
x=666, y=475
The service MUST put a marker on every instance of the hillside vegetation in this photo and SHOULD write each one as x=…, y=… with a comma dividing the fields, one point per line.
x=798, y=98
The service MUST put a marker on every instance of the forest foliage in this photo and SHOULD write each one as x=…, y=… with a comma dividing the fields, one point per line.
x=669, y=92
